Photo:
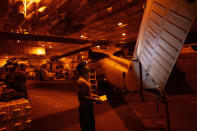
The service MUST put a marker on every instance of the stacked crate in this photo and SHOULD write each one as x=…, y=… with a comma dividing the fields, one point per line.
x=15, y=115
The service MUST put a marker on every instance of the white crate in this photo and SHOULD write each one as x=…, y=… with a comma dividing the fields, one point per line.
x=15, y=110
x=26, y=106
x=20, y=108
x=15, y=115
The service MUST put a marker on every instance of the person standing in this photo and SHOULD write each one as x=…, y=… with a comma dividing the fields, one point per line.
x=19, y=84
x=86, y=107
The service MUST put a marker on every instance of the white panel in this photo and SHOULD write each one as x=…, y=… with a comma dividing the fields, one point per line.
x=163, y=31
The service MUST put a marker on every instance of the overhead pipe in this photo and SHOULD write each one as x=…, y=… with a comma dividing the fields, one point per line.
x=32, y=37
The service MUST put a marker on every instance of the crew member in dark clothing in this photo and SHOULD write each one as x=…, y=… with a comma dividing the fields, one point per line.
x=86, y=109
x=20, y=81
x=86, y=95
x=15, y=82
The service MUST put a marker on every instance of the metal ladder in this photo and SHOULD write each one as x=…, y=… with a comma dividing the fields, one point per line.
x=92, y=82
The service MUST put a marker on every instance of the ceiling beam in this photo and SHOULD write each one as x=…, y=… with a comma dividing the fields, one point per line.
x=32, y=37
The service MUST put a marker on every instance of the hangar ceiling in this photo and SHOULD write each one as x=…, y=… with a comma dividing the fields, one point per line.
x=116, y=21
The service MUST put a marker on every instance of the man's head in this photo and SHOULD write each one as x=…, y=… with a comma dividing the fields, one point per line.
x=80, y=67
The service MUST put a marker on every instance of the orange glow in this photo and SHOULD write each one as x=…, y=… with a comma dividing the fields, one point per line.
x=29, y=16
x=123, y=38
x=109, y=9
x=82, y=36
x=37, y=1
x=38, y=50
x=41, y=9
x=122, y=25
x=103, y=98
x=29, y=4
x=2, y=62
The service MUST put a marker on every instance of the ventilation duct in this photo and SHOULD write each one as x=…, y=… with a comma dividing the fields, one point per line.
x=18, y=13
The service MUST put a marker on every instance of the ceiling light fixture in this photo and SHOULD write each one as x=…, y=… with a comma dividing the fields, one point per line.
x=41, y=9
x=123, y=34
x=84, y=37
x=120, y=23
x=42, y=45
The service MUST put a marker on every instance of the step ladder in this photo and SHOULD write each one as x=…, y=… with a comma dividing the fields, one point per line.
x=92, y=81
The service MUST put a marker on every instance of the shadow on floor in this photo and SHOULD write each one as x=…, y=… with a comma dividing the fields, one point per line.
x=177, y=83
x=62, y=120
x=125, y=113
x=56, y=121
x=55, y=85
